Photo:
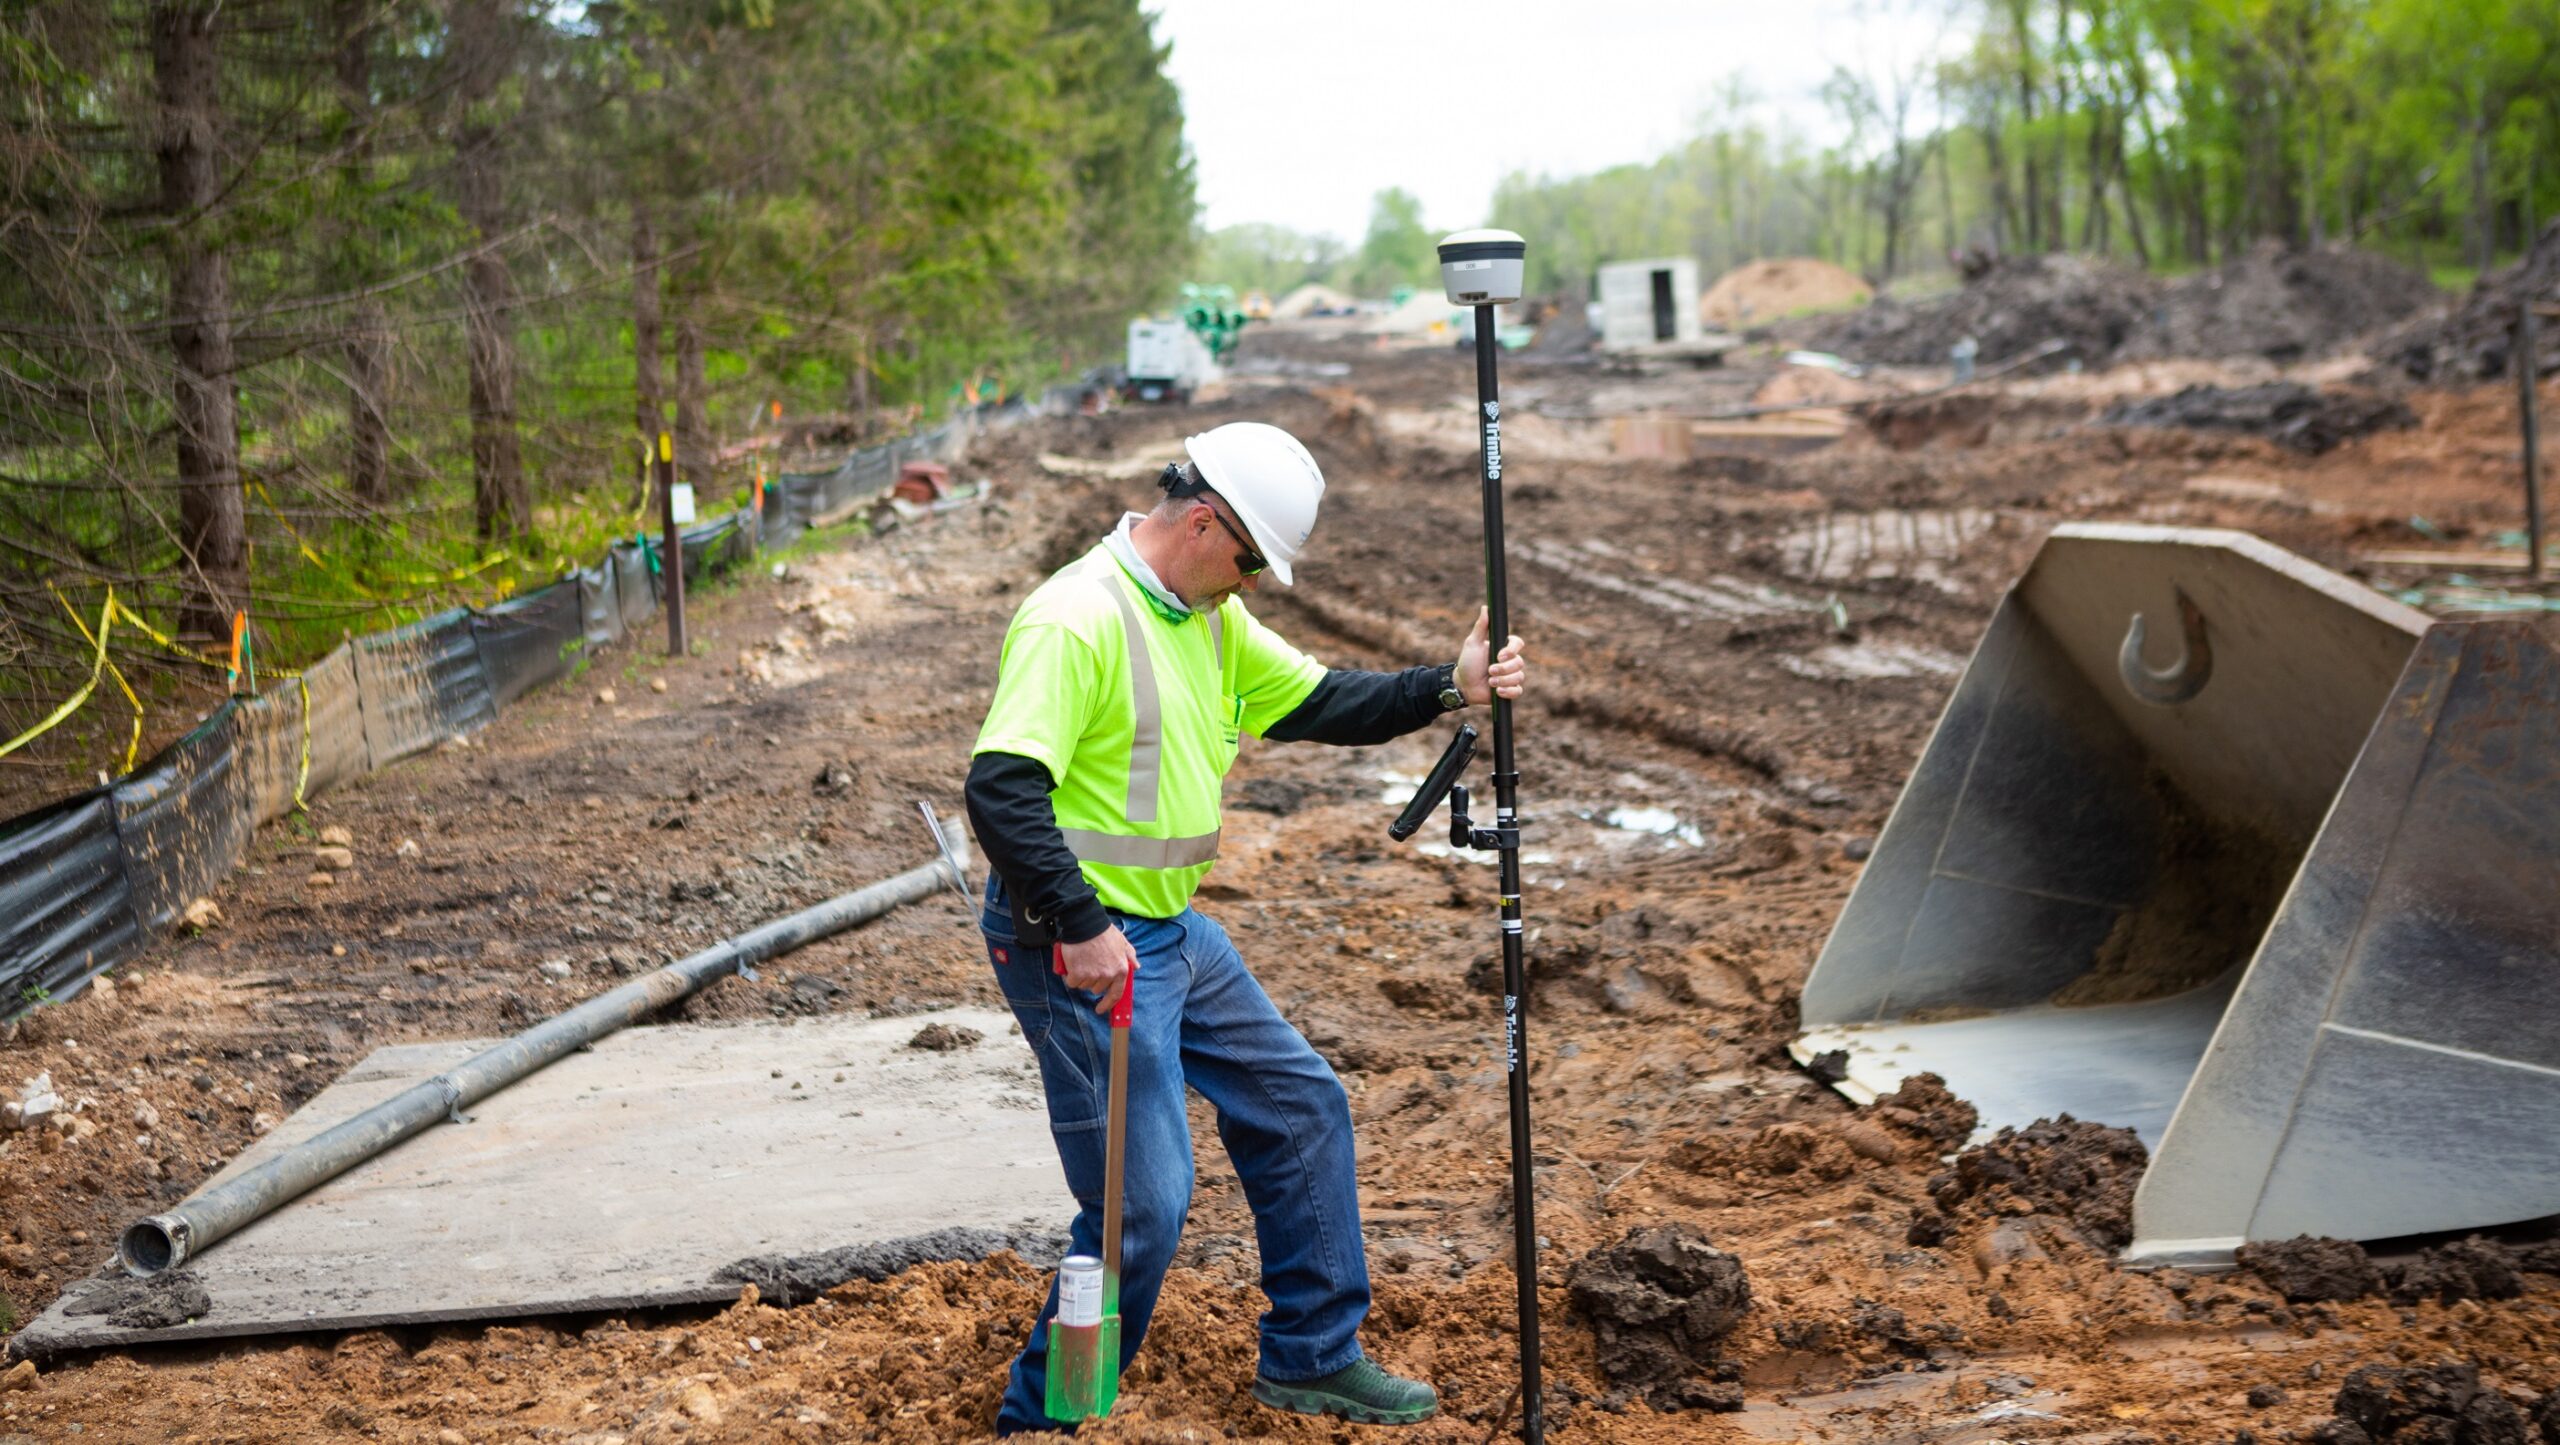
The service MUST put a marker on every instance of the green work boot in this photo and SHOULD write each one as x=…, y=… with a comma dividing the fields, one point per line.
x=1358, y=1391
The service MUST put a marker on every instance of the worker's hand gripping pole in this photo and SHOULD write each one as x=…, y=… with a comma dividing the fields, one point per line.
x=1482, y=269
x=1084, y=1335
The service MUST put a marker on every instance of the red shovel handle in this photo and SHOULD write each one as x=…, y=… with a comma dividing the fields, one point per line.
x=1124, y=1009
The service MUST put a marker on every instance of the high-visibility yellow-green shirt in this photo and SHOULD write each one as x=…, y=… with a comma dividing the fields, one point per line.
x=1136, y=712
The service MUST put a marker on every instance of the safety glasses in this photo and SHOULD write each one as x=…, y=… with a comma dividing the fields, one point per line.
x=1248, y=562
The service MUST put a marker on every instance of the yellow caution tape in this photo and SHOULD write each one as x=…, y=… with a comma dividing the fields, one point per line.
x=405, y=579
x=133, y=745
x=304, y=775
x=106, y=616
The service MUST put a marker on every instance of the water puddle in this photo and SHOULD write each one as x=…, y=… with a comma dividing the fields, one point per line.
x=1659, y=822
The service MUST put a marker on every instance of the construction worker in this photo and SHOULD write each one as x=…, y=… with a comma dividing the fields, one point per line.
x=1126, y=682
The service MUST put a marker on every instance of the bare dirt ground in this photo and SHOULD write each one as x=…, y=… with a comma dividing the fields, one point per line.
x=1738, y=659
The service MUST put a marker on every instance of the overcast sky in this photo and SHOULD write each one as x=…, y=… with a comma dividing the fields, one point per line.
x=1298, y=112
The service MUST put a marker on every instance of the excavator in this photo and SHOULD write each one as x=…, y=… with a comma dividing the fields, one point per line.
x=2223, y=847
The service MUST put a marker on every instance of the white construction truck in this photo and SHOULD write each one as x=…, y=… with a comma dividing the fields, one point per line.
x=1167, y=362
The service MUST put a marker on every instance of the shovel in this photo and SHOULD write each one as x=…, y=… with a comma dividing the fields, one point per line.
x=1084, y=1335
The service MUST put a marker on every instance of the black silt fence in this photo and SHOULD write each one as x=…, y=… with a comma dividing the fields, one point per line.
x=87, y=882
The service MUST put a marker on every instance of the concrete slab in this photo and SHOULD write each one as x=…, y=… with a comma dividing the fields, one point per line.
x=625, y=1177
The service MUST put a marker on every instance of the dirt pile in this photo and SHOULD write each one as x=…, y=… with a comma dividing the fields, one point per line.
x=2475, y=340
x=2282, y=305
x=2018, y=302
x=2424, y=1405
x=2279, y=304
x=1810, y=386
x=2307, y=1269
x=2081, y=1172
x=2306, y=419
x=1756, y=293
x=1661, y=1301
x=1564, y=329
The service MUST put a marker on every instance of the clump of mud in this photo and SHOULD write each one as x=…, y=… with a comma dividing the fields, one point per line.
x=2473, y=1268
x=2475, y=340
x=943, y=1038
x=794, y=1279
x=2545, y=1416
x=143, y=1304
x=1661, y=1301
x=2306, y=1269
x=1925, y=1107
x=2421, y=1405
x=2081, y=1172
x=2300, y=418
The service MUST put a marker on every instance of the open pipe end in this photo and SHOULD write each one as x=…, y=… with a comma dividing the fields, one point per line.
x=152, y=1246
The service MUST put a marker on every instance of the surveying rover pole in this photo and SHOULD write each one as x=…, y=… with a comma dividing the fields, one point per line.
x=1482, y=269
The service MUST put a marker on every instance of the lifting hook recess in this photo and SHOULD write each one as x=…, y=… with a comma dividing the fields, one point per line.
x=2181, y=680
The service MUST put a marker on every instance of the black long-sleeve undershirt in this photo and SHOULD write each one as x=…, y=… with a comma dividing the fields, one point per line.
x=1008, y=794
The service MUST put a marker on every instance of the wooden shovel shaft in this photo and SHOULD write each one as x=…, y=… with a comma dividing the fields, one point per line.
x=1114, y=1159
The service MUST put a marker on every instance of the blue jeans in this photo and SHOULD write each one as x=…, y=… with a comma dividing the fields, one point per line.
x=1200, y=1020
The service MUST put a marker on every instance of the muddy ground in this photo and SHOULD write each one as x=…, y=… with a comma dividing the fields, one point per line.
x=1738, y=657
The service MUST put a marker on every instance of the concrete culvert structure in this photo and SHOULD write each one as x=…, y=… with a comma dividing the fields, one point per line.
x=2224, y=848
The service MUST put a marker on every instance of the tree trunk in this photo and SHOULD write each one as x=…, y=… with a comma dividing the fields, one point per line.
x=368, y=420
x=2004, y=215
x=185, y=64
x=368, y=347
x=2132, y=207
x=2093, y=220
x=648, y=346
x=501, y=505
x=2057, y=187
x=1946, y=197
x=693, y=430
x=2484, y=237
x=2018, y=16
x=2319, y=171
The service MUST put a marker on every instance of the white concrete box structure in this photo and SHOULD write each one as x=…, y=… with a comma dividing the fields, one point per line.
x=1647, y=304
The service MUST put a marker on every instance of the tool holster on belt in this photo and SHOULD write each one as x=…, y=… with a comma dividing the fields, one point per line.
x=1034, y=932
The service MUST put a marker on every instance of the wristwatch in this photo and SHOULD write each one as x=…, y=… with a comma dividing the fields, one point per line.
x=1450, y=698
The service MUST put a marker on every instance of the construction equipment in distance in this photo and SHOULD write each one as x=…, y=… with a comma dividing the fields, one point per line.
x=2287, y=905
x=1171, y=359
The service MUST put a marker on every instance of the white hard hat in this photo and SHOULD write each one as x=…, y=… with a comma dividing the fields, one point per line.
x=1268, y=479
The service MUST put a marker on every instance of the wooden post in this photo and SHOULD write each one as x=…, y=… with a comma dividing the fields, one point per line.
x=671, y=562
x=2527, y=359
x=2528, y=340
